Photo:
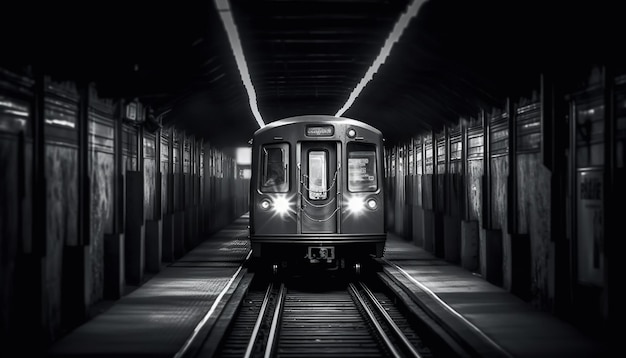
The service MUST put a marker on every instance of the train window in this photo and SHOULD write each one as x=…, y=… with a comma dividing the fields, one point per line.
x=318, y=189
x=275, y=178
x=362, y=167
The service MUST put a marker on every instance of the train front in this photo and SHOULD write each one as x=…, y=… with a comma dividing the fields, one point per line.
x=317, y=198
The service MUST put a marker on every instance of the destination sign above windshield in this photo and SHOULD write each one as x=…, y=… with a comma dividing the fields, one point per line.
x=320, y=131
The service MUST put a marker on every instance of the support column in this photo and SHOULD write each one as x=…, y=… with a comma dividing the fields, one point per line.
x=168, y=220
x=114, y=273
x=613, y=196
x=77, y=271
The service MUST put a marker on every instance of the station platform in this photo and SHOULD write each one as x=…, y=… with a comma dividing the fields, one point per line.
x=158, y=318
x=494, y=321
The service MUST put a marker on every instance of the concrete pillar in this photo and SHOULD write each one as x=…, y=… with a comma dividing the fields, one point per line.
x=76, y=285
x=135, y=230
x=438, y=235
x=194, y=224
x=168, y=238
x=429, y=231
x=452, y=238
x=469, y=245
x=179, y=234
x=187, y=209
x=418, y=226
x=408, y=222
x=190, y=240
x=520, y=265
x=135, y=254
x=398, y=214
x=493, y=257
x=154, y=235
x=114, y=276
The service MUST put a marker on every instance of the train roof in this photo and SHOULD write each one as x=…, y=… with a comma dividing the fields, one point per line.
x=305, y=119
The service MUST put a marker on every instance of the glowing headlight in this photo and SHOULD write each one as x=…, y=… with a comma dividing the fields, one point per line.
x=281, y=205
x=351, y=133
x=372, y=204
x=265, y=204
x=355, y=204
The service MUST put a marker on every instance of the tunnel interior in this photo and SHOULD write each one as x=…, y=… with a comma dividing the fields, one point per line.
x=504, y=125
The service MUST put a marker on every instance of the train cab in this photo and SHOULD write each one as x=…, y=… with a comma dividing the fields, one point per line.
x=317, y=195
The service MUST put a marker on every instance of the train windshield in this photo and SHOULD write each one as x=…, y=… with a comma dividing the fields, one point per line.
x=362, y=167
x=317, y=175
x=275, y=178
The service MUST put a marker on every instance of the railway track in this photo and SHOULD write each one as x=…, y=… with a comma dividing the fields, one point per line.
x=294, y=319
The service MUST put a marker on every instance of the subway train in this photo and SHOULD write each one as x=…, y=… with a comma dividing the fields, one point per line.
x=317, y=194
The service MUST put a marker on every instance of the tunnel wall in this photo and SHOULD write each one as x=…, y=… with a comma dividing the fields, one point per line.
x=61, y=172
x=16, y=196
x=518, y=193
x=461, y=205
x=93, y=199
x=102, y=183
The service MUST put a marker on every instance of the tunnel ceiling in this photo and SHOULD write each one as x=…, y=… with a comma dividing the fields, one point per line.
x=305, y=57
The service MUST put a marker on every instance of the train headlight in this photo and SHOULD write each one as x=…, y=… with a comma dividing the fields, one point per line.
x=372, y=204
x=281, y=205
x=351, y=133
x=265, y=204
x=355, y=204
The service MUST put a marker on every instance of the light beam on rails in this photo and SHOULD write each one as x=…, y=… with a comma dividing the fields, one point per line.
x=397, y=31
x=223, y=7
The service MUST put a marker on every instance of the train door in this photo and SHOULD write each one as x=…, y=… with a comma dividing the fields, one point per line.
x=318, y=188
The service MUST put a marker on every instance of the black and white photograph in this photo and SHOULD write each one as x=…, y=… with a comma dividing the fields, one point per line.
x=312, y=178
